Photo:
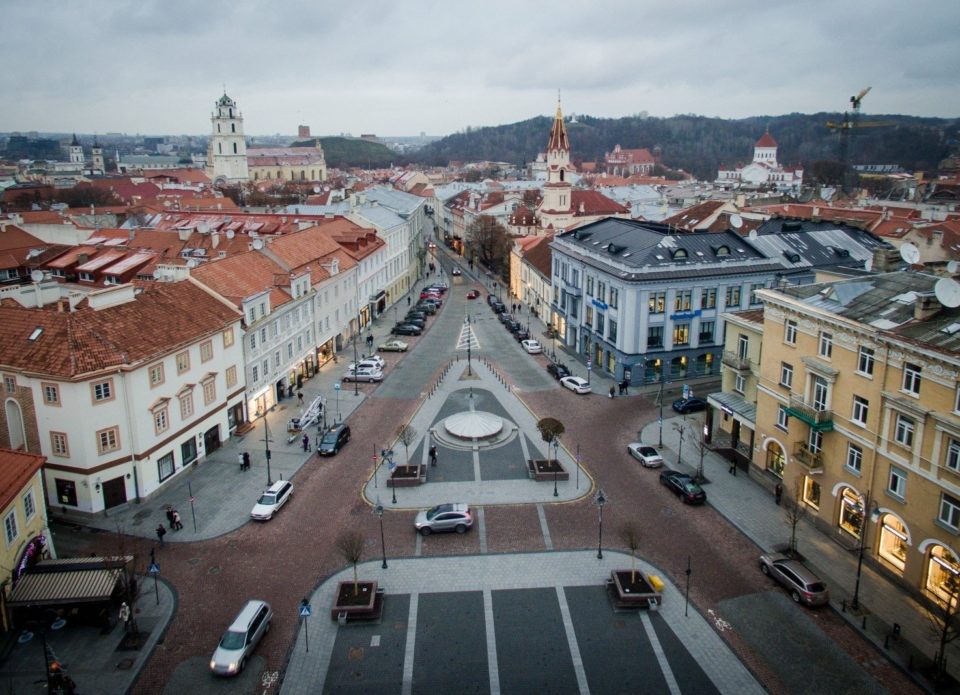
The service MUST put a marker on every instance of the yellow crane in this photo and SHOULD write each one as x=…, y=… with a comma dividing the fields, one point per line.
x=851, y=123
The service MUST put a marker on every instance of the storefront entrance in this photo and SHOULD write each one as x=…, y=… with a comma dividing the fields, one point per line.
x=114, y=492
x=211, y=440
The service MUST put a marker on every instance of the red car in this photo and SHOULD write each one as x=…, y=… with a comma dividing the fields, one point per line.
x=473, y=294
x=429, y=295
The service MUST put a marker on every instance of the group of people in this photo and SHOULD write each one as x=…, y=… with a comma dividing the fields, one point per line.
x=244, y=460
x=621, y=388
x=173, y=518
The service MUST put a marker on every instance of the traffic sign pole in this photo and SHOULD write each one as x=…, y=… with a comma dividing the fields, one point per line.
x=305, y=612
x=155, y=571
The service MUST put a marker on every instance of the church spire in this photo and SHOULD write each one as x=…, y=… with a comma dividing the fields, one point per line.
x=558, y=133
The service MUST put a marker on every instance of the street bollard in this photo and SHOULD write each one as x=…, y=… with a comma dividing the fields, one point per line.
x=863, y=625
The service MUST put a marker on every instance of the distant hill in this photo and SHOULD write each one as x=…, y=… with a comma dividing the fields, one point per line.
x=350, y=152
x=699, y=144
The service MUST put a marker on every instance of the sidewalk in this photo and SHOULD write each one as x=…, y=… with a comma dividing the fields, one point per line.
x=753, y=510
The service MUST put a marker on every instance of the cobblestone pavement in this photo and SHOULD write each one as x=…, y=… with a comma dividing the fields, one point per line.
x=288, y=558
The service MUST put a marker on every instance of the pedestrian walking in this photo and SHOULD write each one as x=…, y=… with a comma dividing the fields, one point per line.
x=778, y=492
x=612, y=392
x=306, y=442
x=626, y=387
x=170, y=516
x=299, y=397
x=433, y=456
x=246, y=461
x=241, y=459
x=733, y=468
x=408, y=301
x=161, y=532
x=177, y=524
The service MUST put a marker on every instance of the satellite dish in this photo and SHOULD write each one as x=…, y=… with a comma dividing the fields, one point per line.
x=910, y=254
x=752, y=235
x=231, y=234
x=36, y=275
x=258, y=244
x=736, y=221
x=868, y=265
x=316, y=189
x=157, y=274
x=947, y=291
x=203, y=227
x=953, y=266
x=192, y=263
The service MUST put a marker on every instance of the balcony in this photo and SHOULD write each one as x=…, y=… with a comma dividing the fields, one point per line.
x=813, y=461
x=819, y=419
x=735, y=361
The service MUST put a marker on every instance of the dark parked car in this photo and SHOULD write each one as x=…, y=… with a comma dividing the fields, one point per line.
x=689, y=405
x=413, y=321
x=521, y=335
x=682, y=486
x=426, y=307
x=334, y=439
x=804, y=586
x=417, y=315
x=406, y=329
x=456, y=271
x=513, y=326
x=505, y=318
x=558, y=370
x=499, y=307
x=491, y=299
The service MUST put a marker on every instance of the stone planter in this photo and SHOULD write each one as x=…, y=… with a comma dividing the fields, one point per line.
x=630, y=590
x=348, y=604
x=544, y=470
x=407, y=476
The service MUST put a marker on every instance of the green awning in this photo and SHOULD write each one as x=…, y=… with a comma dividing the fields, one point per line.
x=803, y=416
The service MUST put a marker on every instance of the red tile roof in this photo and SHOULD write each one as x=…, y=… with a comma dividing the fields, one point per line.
x=539, y=255
x=766, y=140
x=592, y=203
x=76, y=343
x=16, y=470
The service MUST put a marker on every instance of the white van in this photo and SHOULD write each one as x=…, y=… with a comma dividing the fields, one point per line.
x=241, y=638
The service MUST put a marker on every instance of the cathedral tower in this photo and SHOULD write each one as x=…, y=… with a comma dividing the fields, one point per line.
x=76, y=152
x=227, y=152
x=97, y=158
x=556, y=207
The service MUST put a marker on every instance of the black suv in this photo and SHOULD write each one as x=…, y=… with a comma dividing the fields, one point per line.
x=333, y=439
x=558, y=370
x=499, y=307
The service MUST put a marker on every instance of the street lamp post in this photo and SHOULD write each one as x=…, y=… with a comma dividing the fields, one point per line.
x=600, y=500
x=660, y=399
x=356, y=385
x=865, y=500
x=266, y=443
x=556, y=466
x=378, y=510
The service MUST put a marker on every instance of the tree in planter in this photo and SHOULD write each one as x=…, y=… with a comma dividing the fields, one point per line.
x=795, y=511
x=550, y=431
x=630, y=535
x=350, y=544
x=406, y=436
x=944, y=619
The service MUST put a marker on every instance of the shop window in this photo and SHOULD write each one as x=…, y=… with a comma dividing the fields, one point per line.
x=188, y=451
x=893, y=541
x=851, y=512
x=165, y=467
x=66, y=492
x=775, y=459
x=943, y=573
x=811, y=492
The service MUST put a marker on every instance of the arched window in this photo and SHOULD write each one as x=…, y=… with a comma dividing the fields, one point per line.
x=679, y=254
x=943, y=573
x=220, y=148
x=15, y=431
x=775, y=459
x=218, y=127
x=233, y=127
x=851, y=512
x=678, y=367
x=893, y=541
x=234, y=148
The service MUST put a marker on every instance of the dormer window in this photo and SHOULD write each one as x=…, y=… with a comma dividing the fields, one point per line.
x=720, y=251
x=679, y=254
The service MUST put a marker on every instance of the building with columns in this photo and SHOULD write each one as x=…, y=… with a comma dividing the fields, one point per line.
x=227, y=151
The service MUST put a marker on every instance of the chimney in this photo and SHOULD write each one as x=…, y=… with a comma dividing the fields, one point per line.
x=926, y=305
x=215, y=239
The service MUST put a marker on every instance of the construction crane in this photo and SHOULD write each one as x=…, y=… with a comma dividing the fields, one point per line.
x=851, y=123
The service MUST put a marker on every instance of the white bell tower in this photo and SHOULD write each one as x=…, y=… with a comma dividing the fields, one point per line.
x=227, y=152
x=76, y=151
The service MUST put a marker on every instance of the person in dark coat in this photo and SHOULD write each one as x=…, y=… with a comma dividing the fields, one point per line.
x=246, y=461
x=306, y=442
x=170, y=516
x=161, y=532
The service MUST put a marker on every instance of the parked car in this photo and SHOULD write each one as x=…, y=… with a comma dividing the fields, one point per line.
x=426, y=306
x=333, y=439
x=456, y=271
x=241, y=638
x=683, y=486
x=416, y=314
x=521, y=335
x=368, y=374
x=473, y=294
x=430, y=294
x=444, y=517
x=405, y=329
x=374, y=361
x=439, y=285
x=532, y=346
x=804, y=586
x=393, y=346
x=414, y=321
x=505, y=318
x=575, y=384
x=558, y=370
x=648, y=456
x=271, y=500
x=689, y=405
x=491, y=299
x=499, y=307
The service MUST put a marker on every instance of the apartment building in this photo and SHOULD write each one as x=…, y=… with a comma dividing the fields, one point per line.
x=858, y=414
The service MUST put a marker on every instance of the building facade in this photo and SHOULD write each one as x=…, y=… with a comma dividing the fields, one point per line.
x=764, y=170
x=227, y=151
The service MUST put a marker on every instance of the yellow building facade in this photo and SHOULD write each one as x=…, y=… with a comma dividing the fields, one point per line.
x=858, y=415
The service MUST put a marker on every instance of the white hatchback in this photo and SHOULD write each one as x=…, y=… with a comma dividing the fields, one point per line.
x=374, y=361
x=271, y=500
x=576, y=384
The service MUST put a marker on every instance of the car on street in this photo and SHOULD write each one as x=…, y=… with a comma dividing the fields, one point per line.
x=430, y=294
x=532, y=346
x=499, y=307
x=473, y=294
x=393, y=346
x=368, y=374
x=456, y=271
x=241, y=638
x=271, y=500
x=371, y=362
x=444, y=517
x=414, y=321
x=333, y=439
x=683, y=486
x=804, y=586
x=558, y=370
x=689, y=405
x=575, y=384
x=647, y=455
x=491, y=299
x=439, y=286
x=406, y=329
x=521, y=335
x=426, y=306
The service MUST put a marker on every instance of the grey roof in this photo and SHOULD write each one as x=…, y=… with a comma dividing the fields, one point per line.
x=404, y=204
x=888, y=302
x=816, y=244
x=382, y=217
x=736, y=404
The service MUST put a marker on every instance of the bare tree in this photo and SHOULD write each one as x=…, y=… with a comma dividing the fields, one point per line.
x=490, y=242
x=795, y=511
x=406, y=435
x=630, y=535
x=130, y=588
x=944, y=616
x=550, y=430
x=351, y=544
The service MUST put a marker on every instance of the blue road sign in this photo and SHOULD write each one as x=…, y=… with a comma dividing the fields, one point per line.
x=336, y=386
x=305, y=611
x=154, y=568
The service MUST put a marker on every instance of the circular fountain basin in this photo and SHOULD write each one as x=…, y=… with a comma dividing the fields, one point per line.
x=473, y=425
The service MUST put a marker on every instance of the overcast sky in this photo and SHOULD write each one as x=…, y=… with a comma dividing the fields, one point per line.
x=401, y=68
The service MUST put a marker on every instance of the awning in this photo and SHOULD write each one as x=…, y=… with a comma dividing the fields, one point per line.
x=58, y=582
x=735, y=405
x=804, y=416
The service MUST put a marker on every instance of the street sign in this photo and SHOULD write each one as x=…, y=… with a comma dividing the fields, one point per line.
x=686, y=391
x=659, y=420
x=305, y=610
x=589, y=363
x=154, y=568
x=336, y=386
